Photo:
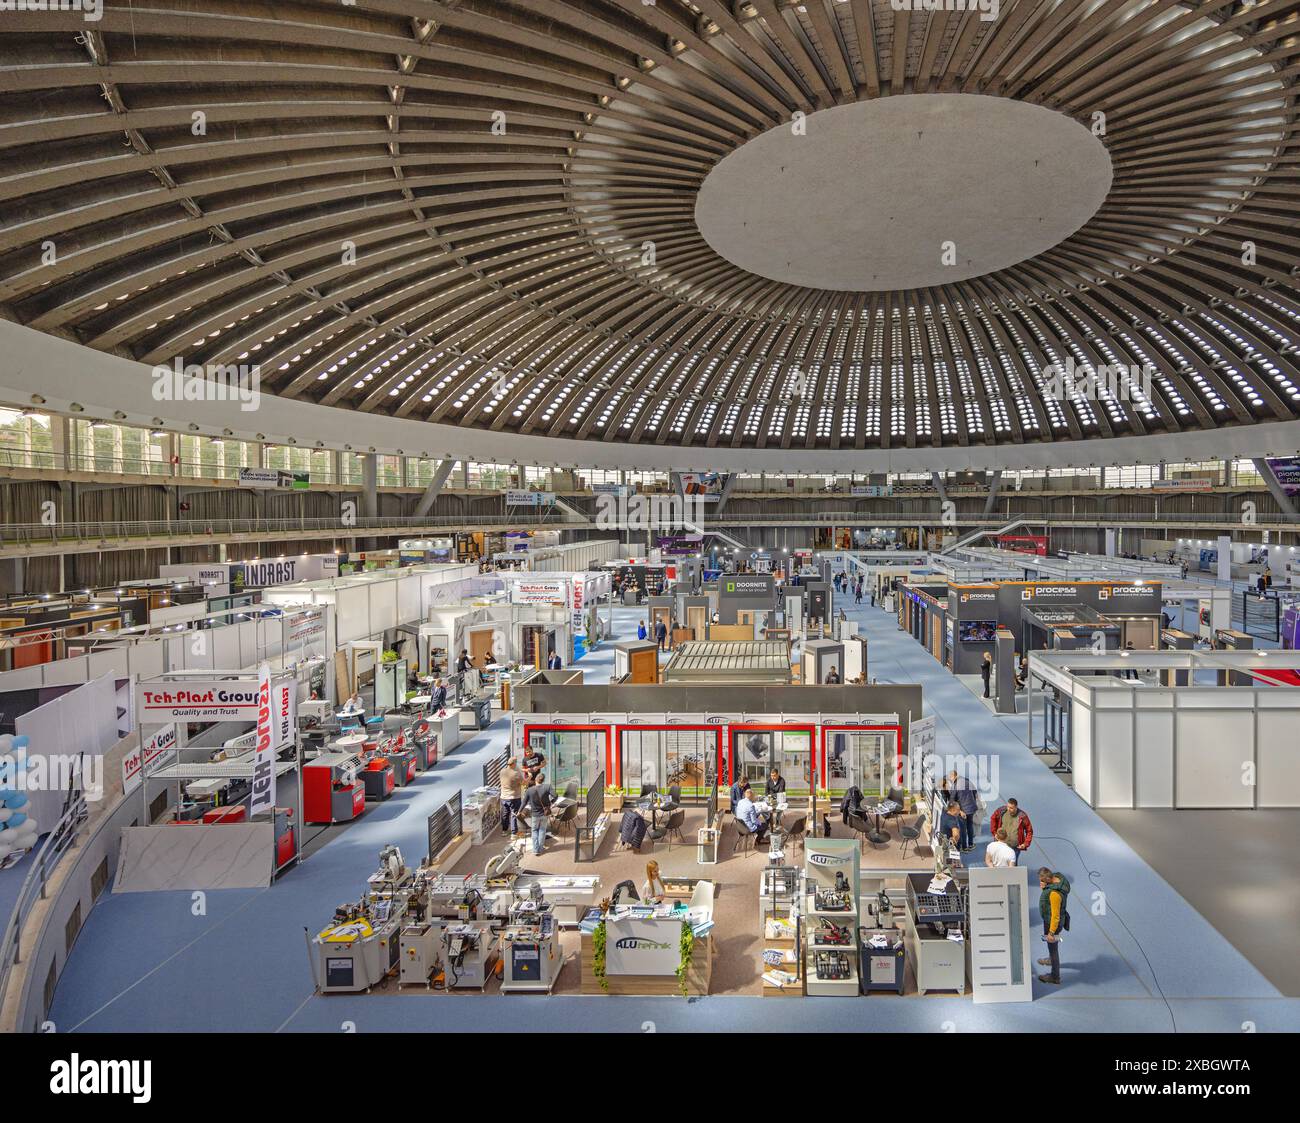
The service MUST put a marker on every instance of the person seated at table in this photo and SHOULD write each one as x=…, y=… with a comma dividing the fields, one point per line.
x=354, y=705
x=747, y=812
x=832, y=677
x=737, y=790
x=438, y=695
x=652, y=889
x=774, y=789
x=490, y=658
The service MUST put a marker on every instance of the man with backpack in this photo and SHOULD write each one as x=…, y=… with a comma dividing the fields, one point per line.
x=1052, y=907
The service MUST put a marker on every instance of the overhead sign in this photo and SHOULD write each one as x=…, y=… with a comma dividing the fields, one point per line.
x=1182, y=485
x=262, y=798
x=274, y=478
x=156, y=751
x=870, y=491
x=540, y=591
x=530, y=499
x=1287, y=471
x=742, y=585
x=197, y=700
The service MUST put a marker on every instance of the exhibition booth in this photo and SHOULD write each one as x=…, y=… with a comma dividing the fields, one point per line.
x=1134, y=738
x=635, y=737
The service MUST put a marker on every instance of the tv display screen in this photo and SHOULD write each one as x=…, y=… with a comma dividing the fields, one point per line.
x=976, y=631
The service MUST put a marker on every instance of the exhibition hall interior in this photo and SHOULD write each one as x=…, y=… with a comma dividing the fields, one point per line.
x=685, y=515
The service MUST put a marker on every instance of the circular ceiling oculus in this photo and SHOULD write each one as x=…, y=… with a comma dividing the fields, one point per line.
x=903, y=192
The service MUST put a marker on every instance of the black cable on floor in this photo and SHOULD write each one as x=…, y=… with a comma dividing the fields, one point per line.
x=1092, y=877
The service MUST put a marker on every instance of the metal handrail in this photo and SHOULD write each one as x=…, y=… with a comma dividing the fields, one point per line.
x=26, y=534
x=61, y=839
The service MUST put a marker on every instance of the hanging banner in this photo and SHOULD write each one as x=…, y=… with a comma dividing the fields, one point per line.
x=262, y=798
x=540, y=591
x=274, y=478
x=156, y=751
x=530, y=499
x=197, y=700
x=1287, y=471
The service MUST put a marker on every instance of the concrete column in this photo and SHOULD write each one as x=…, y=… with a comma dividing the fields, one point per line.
x=59, y=440
x=369, y=486
x=1225, y=558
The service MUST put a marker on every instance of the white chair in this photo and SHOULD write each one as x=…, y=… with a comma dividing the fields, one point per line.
x=702, y=898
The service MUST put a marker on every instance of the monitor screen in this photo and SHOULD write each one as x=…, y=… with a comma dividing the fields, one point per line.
x=976, y=631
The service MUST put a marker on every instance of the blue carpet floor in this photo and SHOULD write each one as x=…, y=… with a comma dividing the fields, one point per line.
x=1139, y=957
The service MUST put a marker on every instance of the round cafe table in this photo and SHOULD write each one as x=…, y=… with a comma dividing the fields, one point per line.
x=350, y=743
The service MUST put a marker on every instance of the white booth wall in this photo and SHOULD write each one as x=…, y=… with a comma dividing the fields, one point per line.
x=1205, y=746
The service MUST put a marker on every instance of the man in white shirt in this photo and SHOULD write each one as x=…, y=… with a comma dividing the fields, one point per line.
x=747, y=812
x=999, y=855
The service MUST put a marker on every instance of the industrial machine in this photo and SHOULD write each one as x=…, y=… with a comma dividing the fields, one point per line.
x=931, y=921
x=468, y=955
x=360, y=946
x=331, y=792
x=884, y=959
x=530, y=960
x=378, y=777
x=420, y=943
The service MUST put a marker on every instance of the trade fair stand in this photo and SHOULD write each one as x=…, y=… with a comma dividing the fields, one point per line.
x=1224, y=739
x=224, y=791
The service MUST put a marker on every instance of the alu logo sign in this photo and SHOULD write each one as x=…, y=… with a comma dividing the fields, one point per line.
x=828, y=859
x=636, y=943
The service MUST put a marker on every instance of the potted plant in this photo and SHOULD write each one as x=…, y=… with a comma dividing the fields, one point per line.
x=613, y=798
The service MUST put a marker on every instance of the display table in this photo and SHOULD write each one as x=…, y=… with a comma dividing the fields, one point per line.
x=349, y=744
x=641, y=957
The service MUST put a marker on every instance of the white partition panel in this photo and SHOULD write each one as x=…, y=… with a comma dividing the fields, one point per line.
x=66, y=672
x=146, y=658
x=1213, y=747
x=408, y=600
x=1154, y=764
x=225, y=646
x=1278, y=732
x=353, y=613
x=1113, y=757
x=108, y=661
x=1081, y=739
x=383, y=607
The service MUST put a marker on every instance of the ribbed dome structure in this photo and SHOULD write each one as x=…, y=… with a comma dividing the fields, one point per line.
x=483, y=212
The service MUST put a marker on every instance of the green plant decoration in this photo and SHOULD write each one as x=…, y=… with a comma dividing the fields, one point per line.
x=388, y=657
x=687, y=948
x=598, y=956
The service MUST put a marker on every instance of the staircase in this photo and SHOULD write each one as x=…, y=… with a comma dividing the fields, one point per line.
x=971, y=537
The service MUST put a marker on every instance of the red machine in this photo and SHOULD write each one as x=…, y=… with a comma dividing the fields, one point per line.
x=233, y=813
x=331, y=792
x=286, y=836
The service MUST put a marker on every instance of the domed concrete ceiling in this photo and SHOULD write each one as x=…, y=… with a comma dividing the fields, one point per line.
x=721, y=223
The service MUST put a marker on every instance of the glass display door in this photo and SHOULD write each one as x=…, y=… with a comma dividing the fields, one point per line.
x=571, y=754
x=866, y=760
x=668, y=758
x=755, y=752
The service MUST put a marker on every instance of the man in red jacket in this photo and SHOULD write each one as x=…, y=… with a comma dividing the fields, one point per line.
x=1020, y=831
